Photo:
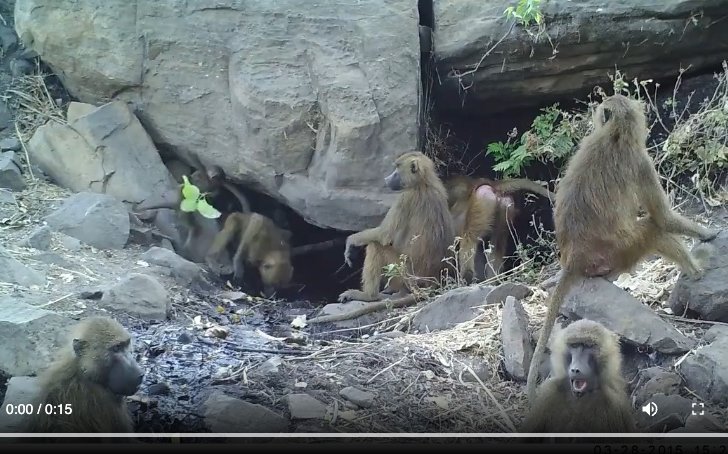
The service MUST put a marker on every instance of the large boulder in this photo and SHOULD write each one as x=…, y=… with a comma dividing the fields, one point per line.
x=104, y=150
x=582, y=43
x=308, y=104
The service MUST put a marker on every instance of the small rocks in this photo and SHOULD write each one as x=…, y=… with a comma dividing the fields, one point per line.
x=707, y=296
x=158, y=389
x=656, y=380
x=14, y=272
x=6, y=116
x=40, y=238
x=21, y=390
x=480, y=368
x=600, y=300
x=10, y=144
x=452, y=307
x=98, y=220
x=139, y=295
x=303, y=406
x=517, y=348
x=179, y=268
x=716, y=332
x=706, y=371
x=69, y=243
x=185, y=338
x=8, y=39
x=29, y=335
x=361, y=398
x=21, y=67
x=226, y=414
x=499, y=294
x=667, y=405
x=10, y=176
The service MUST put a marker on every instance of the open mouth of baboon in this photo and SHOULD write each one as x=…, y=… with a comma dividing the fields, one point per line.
x=578, y=386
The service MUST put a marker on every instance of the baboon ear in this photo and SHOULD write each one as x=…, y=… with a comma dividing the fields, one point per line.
x=79, y=345
x=607, y=114
x=414, y=167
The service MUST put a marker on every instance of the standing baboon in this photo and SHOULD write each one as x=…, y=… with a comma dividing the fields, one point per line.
x=418, y=226
x=586, y=391
x=598, y=230
x=258, y=243
x=483, y=207
x=84, y=389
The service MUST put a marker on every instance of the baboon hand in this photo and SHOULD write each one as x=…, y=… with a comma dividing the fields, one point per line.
x=347, y=254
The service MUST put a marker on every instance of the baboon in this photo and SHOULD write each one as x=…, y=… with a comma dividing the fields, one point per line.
x=598, y=230
x=418, y=226
x=482, y=207
x=85, y=387
x=258, y=243
x=198, y=231
x=585, y=391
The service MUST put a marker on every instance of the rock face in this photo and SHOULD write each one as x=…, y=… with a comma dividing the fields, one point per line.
x=308, y=104
x=642, y=38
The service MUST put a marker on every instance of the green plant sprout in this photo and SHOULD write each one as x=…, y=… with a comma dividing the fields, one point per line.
x=525, y=12
x=193, y=200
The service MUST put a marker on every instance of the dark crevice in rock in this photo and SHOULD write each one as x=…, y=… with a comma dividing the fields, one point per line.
x=426, y=12
x=319, y=276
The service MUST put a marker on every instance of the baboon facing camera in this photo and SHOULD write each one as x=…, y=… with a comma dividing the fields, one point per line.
x=585, y=391
x=88, y=382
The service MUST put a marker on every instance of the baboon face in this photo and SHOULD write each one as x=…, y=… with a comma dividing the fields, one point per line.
x=583, y=368
x=103, y=350
x=408, y=169
x=276, y=271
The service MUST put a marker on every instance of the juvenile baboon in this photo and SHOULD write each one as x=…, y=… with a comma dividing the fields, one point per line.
x=258, y=243
x=585, y=391
x=198, y=231
x=84, y=388
x=418, y=225
x=598, y=230
x=481, y=208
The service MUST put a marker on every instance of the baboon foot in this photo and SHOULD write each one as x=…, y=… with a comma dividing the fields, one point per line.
x=710, y=234
x=358, y=295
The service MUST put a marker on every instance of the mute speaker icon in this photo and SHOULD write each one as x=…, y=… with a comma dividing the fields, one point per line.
x=650, y=408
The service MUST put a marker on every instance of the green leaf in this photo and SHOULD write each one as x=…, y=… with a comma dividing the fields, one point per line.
x=207, y=210
x=502, y=166
x=188, y=205
x=189, y=190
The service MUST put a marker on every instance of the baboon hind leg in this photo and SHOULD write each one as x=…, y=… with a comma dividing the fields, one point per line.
x=376, y=258
x=247, y=239
x=671, y=247
x=679, y=224
x=466, y=258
